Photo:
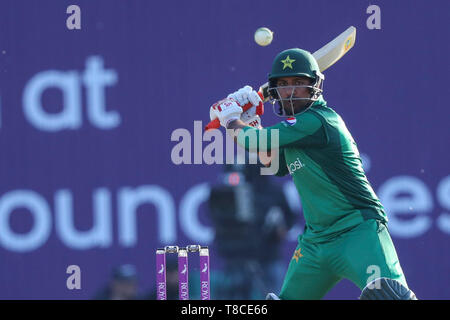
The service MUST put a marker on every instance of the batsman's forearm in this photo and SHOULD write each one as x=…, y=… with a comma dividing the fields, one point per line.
x=236, y=125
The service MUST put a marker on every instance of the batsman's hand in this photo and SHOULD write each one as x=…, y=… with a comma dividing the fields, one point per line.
x=251, y=119
x=247, y=95
x=225, y=110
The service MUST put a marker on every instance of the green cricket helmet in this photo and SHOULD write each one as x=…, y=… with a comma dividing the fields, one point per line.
x=295, y=63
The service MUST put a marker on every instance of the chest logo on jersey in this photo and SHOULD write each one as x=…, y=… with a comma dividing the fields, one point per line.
x=297, y=254
x=290, y=121
x=294, y=166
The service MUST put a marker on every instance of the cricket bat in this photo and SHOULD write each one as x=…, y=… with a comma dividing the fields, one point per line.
x=325, y=56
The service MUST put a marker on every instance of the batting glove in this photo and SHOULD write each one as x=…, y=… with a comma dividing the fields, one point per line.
x=251, y=119
x=226, y=110
x=246, y=95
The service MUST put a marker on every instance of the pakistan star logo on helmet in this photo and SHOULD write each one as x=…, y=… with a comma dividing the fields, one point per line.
x=287, y=63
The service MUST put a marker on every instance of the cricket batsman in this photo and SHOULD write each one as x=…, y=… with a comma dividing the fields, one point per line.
x=346, y=234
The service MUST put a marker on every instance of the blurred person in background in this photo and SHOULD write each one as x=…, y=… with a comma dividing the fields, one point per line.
x=251, y=218
x=122, y=285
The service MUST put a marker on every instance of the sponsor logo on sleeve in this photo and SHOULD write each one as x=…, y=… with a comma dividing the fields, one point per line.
x=290, y=121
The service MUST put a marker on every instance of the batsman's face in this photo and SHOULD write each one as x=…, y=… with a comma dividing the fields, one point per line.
x=292, y=88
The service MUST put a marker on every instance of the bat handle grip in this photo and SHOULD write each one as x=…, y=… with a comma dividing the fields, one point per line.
x=215, y=124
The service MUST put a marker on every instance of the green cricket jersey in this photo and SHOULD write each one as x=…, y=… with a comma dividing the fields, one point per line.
x=318, y=151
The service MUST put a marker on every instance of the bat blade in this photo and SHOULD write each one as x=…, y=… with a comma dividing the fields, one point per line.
x=335, y=49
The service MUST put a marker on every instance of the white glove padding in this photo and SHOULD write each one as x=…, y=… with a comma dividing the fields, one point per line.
x=246, y=95
x=254, y=122
x=250, y=118
x=226, y=110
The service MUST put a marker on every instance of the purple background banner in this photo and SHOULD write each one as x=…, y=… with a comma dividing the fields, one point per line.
x=86, y=118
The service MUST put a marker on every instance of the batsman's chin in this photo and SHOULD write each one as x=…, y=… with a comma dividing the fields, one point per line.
x=296, y=107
